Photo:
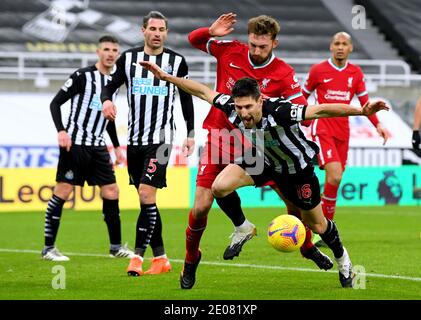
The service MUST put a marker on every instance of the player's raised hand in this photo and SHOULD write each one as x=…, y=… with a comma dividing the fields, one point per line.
x=371, y=107
x=64, y=140
x=152, y=67
x=223, y=25
x=109, y=110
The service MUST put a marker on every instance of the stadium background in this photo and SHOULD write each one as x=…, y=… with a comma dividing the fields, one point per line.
x=42, y=42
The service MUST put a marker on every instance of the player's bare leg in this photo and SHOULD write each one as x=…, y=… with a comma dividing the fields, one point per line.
x=227, y=181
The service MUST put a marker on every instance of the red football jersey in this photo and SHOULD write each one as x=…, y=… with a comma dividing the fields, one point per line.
x=276, y=78
x=335, y=85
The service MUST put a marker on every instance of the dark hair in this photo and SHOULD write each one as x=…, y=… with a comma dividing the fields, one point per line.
x=154, y=15
x=108, y=38
x=246, y=87
x=263, y=25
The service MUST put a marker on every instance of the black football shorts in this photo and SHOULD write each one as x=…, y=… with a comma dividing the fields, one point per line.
x=85, y=163
x=148, y=164
x=302, y=188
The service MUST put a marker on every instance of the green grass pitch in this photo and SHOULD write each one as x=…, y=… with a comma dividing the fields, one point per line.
x=385, y=241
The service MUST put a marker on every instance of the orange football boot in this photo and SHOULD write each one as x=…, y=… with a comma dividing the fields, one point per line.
x=135, y=267
x=159, y=265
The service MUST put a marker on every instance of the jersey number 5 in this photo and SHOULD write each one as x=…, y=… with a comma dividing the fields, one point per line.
x=152, y=165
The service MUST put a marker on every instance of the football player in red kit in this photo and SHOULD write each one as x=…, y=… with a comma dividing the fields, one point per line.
x=336, y=80
x=236, y=60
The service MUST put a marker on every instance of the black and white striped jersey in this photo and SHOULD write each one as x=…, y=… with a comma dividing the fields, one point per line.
x=284, y=144
x=151, y=101
x=85, y=123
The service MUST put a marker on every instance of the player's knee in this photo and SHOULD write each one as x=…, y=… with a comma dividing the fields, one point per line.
x=110, y=191
x=219, y=190
x=334, y=178
x=318, y=228
x=147, y=194
x=201, y=207
x=63, y=190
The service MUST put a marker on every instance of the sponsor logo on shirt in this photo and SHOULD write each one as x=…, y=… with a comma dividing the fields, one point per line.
x=338, y=95
x=95, y=103
x=232, y=65
x=144, y=86
x=327, y=80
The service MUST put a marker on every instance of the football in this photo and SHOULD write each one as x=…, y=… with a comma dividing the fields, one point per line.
x=286, y=233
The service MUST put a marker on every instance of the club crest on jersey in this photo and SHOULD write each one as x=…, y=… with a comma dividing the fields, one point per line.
x=350, y=82
x=265, y=83
x=167, y=68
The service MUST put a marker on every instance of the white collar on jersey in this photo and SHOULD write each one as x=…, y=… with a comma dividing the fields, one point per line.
x=335, y=66
x=264, y=64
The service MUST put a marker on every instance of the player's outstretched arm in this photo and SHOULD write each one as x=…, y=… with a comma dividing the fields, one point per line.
x=330, y=110
x=193, y=87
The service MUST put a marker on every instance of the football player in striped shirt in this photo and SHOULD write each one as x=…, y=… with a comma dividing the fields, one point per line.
x=151, y=131
x=287, y=152
x=83, y=153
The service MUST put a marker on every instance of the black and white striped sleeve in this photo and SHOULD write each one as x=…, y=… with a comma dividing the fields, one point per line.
x=186, y=100
x=70, y=88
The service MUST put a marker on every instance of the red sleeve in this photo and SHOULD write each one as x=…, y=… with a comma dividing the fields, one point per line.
x=292, y=88
x=362, y=95
x=199, y=38
x=293, y=93
x=361, y=91
x=311, y=83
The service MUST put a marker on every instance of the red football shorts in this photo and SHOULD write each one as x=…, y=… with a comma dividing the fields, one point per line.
x=210, y=166
x=331, y=150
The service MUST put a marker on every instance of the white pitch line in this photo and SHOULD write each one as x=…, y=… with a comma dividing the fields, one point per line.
x=224, y=264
